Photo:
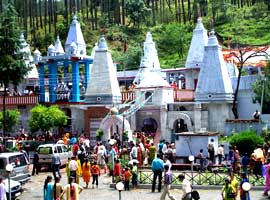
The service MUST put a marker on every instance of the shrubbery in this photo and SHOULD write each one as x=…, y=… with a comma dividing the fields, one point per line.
x=245, y=141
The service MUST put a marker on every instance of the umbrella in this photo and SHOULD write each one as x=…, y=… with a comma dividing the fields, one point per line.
x=133, y=161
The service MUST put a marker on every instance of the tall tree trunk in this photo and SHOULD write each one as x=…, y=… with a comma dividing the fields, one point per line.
x=4, y=110
x=66, y=11
x=87, y=9
x=36, y=14
x=55, y=17
x=40, y=14
x=183, y=11
x=92, y=4
x=95, y=12
x=189, y=10
x=123, y=12
x=45, y=16
x=153, y=12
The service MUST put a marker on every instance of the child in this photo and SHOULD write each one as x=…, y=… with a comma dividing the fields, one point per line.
x=68, y=169
x=95, y=173
x=117, y=171
x=127, y=176
x=134, y=172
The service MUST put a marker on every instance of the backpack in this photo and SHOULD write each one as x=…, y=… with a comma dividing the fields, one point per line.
x=211, y=148
x=195, y=195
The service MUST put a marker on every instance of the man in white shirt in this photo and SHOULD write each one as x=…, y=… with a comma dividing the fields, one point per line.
x=186, y=188
x=73, y=166
x=133, y=152
x=220, y=153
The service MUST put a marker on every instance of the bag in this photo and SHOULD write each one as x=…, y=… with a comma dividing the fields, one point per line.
x=231, y=195
x=195, y=195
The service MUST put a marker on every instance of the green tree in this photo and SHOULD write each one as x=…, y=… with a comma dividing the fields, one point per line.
x=261, y=89
x=44, y=118
x=137, y=11
x=12, y=66
x=12, y=118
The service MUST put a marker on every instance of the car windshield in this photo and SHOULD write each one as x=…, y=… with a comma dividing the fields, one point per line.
x=17, y=161
x=45, y=150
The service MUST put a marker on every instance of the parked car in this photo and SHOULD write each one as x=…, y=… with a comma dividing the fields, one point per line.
x=46, y=152
x=15, y=188
x=20, y=166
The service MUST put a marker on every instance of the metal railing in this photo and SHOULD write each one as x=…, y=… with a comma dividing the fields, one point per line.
x=200, y=178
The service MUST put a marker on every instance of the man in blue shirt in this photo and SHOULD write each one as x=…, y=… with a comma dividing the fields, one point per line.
x=157, y=168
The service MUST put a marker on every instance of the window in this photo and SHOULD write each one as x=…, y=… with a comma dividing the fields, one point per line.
x=59, y=149
x=17, y=161
x=45, y=150
x=148, y=95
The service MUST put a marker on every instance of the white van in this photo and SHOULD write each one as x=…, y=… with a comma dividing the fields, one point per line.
x=20, y=166
x=46, y=152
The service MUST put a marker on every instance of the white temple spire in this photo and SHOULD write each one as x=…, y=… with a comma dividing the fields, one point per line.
x=196, y=49
x=75, y=36
x=214, y=84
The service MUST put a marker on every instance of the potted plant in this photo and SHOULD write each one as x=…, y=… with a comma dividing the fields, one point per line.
x=99, y=134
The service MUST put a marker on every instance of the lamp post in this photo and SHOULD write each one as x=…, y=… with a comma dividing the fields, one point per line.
x=119, y=186
x=9, y=169
x=246, y=187
x=191, y=158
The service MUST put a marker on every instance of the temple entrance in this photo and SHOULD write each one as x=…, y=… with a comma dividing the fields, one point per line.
x=149, y=126
x=114, y=125
x=180, y=126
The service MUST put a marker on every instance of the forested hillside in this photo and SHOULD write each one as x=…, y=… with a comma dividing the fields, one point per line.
x=125, y=22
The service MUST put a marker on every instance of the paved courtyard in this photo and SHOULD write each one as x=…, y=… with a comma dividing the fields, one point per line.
x=33, y=190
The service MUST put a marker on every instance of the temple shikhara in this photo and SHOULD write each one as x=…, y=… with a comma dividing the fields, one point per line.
x=196, y=99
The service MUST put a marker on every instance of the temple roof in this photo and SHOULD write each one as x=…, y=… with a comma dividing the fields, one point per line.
x=75, y=35
x=150, y=56
x=28, y=58
x=214, y=83
x=58, y=46
x=152, y=79
x=149, y=59
x=103, y=87
x=196, y=49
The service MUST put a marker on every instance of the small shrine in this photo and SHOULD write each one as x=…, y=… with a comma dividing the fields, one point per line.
x=68, y=71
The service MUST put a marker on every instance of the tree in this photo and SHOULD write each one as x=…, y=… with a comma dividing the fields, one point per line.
x=137, y=11
x=12, y=118
x=12, y=66
x=261, y=89
x=242, y=57
x=45, y=118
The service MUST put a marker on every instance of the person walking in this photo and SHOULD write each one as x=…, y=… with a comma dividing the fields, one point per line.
x=86, y=175
x=134, y=172
x=244, y=195
x=95, y=173
x=267, y=178
x=186, y=187
x=157, y=168
x=220, y=153
x=47, y=189
x=211, y=151
x=227, y=192
x=67, y=168
x=73, y=166
x=56, y=163
x=234, y=184
x=167, y=184
x=72, y=190
x=3, y=195
x=127, y=175
x=35, y=164
x=57, y=189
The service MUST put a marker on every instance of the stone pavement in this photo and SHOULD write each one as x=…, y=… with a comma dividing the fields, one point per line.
x=33, y=190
